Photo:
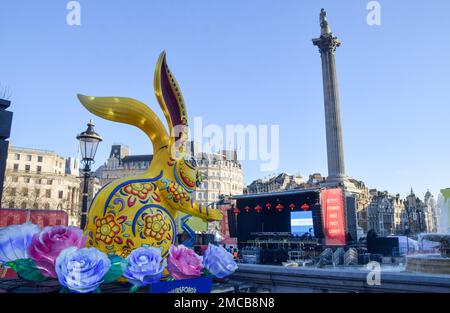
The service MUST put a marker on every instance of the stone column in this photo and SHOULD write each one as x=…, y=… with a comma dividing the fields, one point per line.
x=327, y=44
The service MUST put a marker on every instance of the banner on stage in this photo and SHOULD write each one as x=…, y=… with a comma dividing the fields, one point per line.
x=333, y=217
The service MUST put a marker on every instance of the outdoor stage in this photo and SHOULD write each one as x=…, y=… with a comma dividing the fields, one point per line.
x=272, y=212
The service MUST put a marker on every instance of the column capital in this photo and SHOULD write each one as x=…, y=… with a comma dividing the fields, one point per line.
x=327, y=43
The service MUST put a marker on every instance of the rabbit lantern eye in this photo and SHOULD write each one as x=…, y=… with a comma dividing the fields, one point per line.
x=190, y=162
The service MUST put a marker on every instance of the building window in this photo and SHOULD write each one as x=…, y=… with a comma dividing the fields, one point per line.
x=29, y=157
x=27, y=180
x=25, y=192
x=40, y=158
x=17, y=156
x=48, y=193
x=47, y=206
x=23, y=205
x=50, y=182
x=39, y=169
x=27, y=168
x=60, y=194
x=13, y=192
x=37, y=192
x=39, y=181
x=15, y=179
x=16, y=168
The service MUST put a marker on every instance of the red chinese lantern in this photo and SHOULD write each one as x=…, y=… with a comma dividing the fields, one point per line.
x=247, y=209
x=292, y=206
x=236, y=211
x=305, y=207
x=279, y=207
x=268, y=206
x=258, y=208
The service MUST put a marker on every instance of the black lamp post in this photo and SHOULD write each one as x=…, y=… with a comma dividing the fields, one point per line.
x=89, y=141
x=407, y=231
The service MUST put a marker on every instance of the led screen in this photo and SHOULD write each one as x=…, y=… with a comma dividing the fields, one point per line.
x=301, y=223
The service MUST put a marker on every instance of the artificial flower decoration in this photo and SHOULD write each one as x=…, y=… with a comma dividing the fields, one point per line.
x=48, y=244
x=183, y=263
x=145, y=266
x=59, y=252
x=14, y=241
x=219, y=262
x=82, y=270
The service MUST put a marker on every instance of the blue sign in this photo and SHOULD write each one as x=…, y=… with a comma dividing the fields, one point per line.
x=193, y=285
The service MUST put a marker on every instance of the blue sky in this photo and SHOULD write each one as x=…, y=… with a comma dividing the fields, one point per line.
x=243, y=62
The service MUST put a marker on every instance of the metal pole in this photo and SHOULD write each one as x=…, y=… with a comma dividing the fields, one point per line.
x=407, y=240
x=84, y=205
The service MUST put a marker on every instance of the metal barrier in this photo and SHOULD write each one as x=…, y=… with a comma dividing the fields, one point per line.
x=292, y=279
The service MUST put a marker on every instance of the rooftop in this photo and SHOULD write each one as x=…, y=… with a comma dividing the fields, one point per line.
x=32, y=150
x=138, y=158
x=276, y=194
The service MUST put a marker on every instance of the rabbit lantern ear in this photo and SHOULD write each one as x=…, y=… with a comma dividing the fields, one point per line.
x=129, y=111
x=172, y=104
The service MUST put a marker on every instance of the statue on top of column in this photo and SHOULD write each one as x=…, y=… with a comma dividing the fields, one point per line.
x=324, y=23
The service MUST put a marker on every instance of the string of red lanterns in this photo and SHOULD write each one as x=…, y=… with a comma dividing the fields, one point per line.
x=279, y=207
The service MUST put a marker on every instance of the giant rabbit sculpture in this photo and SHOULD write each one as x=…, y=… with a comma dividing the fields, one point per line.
x=141, y=210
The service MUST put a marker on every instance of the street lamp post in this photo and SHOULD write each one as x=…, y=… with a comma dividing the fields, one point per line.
x=89, y=141
x=407, y=238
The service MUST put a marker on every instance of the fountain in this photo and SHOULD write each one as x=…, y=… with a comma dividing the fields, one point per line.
x=433, y=263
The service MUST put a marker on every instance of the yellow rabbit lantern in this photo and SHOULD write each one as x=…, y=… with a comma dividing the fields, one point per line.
x=141, y=210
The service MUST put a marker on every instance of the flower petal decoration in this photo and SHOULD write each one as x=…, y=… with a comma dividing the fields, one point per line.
x=15, y=240
x=82, y=270
x=219, y=262
x=145, y=266
x=183, y=263
x=48, y=244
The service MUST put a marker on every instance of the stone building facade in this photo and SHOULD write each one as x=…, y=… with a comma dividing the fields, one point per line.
x=280, y=182
x=384, y=213
x=431, y=216
x=415, y=214
x=41, y=179
x=120, y=164
x=389, y=214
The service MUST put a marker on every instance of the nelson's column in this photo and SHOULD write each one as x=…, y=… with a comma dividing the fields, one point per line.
x=353, y=194
x=327, y=44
